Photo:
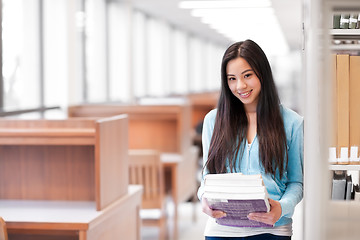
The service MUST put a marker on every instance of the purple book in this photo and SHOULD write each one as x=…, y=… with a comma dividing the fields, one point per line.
x=237, y=195
x=237, y=211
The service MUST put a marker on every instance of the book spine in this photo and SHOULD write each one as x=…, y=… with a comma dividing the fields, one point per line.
x=354, y=101
x=356, y=193
x=348, y=188
x=338, y=186
x=343, y=88
x=333, y=140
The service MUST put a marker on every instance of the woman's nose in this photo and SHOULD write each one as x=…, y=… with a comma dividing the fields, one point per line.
x=240, y=84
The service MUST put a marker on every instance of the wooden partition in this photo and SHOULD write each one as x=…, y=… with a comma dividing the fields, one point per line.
x=201, y=104
x=166, y=128
x=75, y=160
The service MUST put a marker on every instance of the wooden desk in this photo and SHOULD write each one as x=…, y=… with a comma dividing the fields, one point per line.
x=180, y=171
x=29, y=219
x=73, y=160
x=166, y=128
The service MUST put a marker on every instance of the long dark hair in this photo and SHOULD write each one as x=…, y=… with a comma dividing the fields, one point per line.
x=231, y=125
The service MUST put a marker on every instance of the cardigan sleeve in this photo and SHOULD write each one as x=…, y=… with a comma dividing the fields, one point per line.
x=294, y=186
x=208, y=127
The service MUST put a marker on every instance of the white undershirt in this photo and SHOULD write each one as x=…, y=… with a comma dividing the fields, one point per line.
x=213, y=229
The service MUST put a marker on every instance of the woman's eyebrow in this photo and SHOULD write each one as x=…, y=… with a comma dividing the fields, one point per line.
x=247, y=70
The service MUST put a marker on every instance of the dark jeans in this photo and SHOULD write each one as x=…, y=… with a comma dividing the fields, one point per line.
x=265, y=236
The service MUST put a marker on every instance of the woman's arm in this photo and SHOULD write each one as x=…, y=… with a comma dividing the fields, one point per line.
x=208, y=127
x=207, y=131
x=294, y=186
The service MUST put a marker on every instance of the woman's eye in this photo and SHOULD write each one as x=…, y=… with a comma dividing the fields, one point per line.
x=231, y=78
x=247, y=75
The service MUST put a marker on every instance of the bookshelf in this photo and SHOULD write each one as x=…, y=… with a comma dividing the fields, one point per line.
x=323, y=218
x=345, y=35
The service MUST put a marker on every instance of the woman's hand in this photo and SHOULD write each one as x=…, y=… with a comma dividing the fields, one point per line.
x=270, y=217
x=212, y=213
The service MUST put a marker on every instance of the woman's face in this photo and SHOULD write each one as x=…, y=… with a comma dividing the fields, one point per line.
x=243, y=82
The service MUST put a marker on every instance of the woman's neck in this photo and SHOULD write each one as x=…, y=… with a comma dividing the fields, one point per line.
x=252, y=127
x=250, y=108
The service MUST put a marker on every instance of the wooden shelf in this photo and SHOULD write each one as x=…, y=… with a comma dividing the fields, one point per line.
x=344, y=167
x=59, y=212
x=345, y=32
x=74, y=219
x=347, y=47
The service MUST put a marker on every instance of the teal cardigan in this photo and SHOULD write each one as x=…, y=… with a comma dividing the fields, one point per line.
x=289, y=189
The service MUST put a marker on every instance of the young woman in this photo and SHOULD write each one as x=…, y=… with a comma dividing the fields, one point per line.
x=252, y=133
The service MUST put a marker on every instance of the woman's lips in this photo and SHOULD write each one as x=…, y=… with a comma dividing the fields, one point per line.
x=245, y=94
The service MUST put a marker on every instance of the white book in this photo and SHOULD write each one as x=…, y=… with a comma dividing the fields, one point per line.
x=232, y=176
x=233, y=179
x=234, y=196
x=234, y=189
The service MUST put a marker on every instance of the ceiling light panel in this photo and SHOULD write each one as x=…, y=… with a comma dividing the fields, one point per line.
x=224, y=4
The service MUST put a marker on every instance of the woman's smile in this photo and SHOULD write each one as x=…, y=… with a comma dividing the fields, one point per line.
x=245, y=94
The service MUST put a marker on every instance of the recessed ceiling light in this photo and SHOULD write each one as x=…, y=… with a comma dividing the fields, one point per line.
x=225, y=4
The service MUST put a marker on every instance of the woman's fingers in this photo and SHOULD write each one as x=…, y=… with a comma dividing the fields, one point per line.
x=262, y=217
x=270, y=217
x=212, y=213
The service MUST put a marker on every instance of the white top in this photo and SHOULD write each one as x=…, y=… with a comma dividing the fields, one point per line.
x=213, y=229
x=48, y=211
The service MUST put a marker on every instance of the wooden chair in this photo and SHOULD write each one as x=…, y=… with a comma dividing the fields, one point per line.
x=145, y=169
x=3, y=231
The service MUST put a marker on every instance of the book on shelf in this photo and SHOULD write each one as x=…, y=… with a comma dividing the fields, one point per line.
x=357, y=192
x=237, y=195
x=348, y=187
x=338, y=185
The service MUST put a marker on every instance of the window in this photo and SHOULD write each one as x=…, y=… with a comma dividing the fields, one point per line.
x=139, y=54
x=119, y=51
x=21, y=54
x=96, y=82
x=180, y=76
x=196, y=68
x=158, y=57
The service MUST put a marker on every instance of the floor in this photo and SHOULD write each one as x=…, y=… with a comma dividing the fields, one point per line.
x=190, y=230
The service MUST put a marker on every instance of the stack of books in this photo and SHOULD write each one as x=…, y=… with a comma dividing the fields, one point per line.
x=237, y=195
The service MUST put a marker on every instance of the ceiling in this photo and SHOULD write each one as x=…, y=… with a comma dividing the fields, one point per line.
x=288, y=13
